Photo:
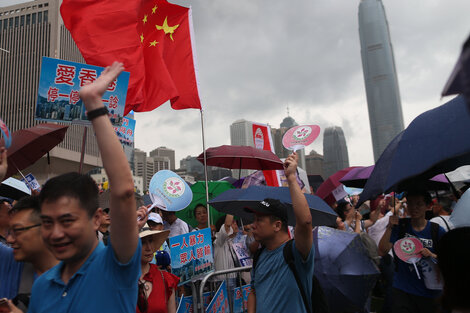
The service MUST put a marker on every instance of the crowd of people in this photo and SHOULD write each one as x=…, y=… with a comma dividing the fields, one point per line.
x=71, y=248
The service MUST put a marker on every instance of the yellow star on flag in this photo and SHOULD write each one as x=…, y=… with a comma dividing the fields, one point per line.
x=144, y=19
x=153, y=43
x=141, y=38
x=154, y=9
x=167, y=29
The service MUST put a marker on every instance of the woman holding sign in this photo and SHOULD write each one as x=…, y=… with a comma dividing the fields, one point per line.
x=156, y=287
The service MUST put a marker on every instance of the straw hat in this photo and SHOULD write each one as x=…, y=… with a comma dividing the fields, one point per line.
x=159, y=236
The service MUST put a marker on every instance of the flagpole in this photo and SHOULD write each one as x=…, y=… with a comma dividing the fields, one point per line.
x=205, y=169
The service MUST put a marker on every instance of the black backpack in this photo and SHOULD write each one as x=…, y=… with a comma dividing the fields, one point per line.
x=403, y=225
x=319, y=303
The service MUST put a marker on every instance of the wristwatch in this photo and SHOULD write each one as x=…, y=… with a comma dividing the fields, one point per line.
x=97, y=112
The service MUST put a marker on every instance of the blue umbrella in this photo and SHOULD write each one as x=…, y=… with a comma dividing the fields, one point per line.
x=344, y=269
x=234, y=201
x=435, y=142
x=460, y=216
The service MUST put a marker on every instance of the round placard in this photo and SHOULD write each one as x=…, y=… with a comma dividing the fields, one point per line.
x=169, y=188
x=299, y=137
x=407, y=249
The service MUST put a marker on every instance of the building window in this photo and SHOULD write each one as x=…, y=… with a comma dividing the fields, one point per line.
x=22, y=20
x=33, y=18
x=45, y=16
x=11, y=22
x=28, y=19
x=17, y=21
x=40, y=17
x=5, y=24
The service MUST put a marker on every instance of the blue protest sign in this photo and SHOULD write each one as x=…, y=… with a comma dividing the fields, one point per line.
x=220, y=301
x=171, y=189
x=125, y=132
x=191, y=255
x=59, y=83
x=31, y=182
x=240, y=298
x=185, y=305
x=5, y=134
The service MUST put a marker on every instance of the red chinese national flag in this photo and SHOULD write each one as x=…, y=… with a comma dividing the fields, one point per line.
x=151, y=38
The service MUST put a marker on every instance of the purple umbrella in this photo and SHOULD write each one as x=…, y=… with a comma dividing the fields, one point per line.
x=358, y=177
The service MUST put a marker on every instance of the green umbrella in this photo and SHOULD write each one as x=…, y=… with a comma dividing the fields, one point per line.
x=199, y=196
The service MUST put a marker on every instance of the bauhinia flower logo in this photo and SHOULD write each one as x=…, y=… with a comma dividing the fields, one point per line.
x=173, y=187
x=302, y=132
x=407, y=246
x=259, y=139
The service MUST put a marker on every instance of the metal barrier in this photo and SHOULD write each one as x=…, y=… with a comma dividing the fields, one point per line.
x=200, y=304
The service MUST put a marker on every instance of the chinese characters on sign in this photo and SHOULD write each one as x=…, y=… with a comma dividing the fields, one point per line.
x=219, y=303
x=125, y=132
x=58, y=98
x=191, y=255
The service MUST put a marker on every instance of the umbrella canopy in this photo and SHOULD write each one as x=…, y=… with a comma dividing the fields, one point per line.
x=358, y=177
x=241, y=157
x=30, y=144
x=327, y=190
x=435, y=142
x=199, y=196
x=236, y=200
x=14, y=189
x=344, y=269
x=460, y=216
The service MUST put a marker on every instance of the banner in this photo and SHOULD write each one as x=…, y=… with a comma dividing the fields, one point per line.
x=191, y=255
x=5, y=134
x=125, y=132
x=262, y=139
x=59, y=83
x=220, y=301
x=240, y=298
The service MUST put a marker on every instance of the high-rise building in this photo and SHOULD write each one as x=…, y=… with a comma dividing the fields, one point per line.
x=314, y=163
x=145, y=166
x=165, y=152
x=29, y=31
x=241, y=133
x=335, y=151
x=380, y=75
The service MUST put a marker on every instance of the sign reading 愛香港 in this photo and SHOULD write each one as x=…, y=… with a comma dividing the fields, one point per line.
x=59, y=83
x=191, y=255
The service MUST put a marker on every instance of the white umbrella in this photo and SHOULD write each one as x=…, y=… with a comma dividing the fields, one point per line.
x=14, y=189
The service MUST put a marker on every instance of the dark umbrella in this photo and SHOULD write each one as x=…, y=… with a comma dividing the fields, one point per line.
x=344, y=269
x=327, y=189
x=30, y=144
x=241, y=157
x=459, y=80
x=235, y=201
x=358, y=177
x=435, y=142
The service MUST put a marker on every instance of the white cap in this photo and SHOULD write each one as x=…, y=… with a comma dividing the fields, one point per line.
x=154, y=217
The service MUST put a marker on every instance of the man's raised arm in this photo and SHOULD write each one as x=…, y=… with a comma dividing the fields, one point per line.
x=124, y=238
x=303, y=218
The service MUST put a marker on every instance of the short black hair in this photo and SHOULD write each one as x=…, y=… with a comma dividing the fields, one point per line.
x=73, y=185
x=341, y=208
x=274, y=218
x=197, y=206
x=420, y=192
x=28, y=203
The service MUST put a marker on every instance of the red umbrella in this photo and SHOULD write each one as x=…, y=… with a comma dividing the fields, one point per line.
x=329, y=187
x=241, y=157
x=30, y=144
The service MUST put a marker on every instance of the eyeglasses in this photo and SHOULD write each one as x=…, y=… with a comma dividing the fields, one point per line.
x=14, y=232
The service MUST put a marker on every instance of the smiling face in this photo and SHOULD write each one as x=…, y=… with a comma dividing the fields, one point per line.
x=67, y=229
x=27, y=244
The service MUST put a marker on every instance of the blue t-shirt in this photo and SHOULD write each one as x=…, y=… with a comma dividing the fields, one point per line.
x=102, y=284
x=405, y=278
x=275, y=285
x=10, y=272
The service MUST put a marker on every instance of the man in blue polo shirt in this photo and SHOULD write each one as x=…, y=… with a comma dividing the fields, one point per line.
x=90, y=276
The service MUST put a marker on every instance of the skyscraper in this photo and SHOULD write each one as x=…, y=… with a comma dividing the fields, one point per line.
x=380, y=76
x=314, y=163
x=335, y=151
x=241, y=133
x=29, y=31
x=165, y=152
